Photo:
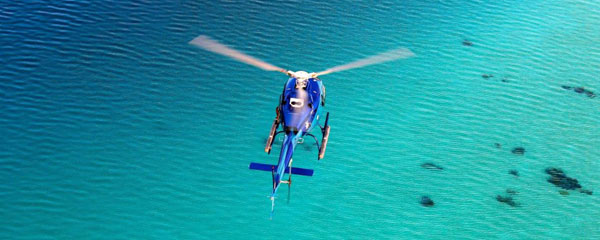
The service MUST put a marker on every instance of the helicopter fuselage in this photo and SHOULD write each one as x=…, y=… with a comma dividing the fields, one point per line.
x=299, y=109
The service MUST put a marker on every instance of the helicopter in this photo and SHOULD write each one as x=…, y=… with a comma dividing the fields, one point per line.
x=300, y=107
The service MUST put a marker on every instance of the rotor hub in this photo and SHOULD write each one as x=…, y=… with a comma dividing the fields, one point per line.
x=301, y=77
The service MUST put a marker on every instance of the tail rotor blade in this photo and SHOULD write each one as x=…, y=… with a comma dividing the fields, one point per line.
x=395, y=54
x=211, y=45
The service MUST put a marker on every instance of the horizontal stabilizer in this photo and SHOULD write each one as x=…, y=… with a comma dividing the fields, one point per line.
x=264, y=167
x=300, y=171
x=269, y=167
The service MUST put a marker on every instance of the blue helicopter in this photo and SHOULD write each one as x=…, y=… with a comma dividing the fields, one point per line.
x=300, y=107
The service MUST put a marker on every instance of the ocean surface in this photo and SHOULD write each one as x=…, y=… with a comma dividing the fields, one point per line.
x=113, y=127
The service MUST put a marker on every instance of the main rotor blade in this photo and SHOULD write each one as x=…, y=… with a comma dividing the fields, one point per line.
x=379, y=58
x=211, y=45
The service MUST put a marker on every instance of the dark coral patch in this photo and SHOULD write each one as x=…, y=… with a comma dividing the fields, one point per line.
x=563, y=192
x=518, y=150
x=431, y=166
x=426, y=201
x=588, y=192
x=508, y=200
x=589, y=93
x=580, y=90
x=512, y=191
x=560, y=179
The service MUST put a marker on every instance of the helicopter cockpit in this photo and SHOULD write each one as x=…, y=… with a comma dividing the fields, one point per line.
x=300, y=100
x=296, y=95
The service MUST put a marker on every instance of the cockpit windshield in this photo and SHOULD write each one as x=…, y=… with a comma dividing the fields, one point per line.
x=298, y=104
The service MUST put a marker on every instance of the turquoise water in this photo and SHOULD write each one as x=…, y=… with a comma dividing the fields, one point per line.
x=113, y=127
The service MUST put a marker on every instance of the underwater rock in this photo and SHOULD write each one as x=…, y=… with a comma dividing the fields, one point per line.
x=566, y=87
x=560, y=179
x=588, y=192
x=508, y=200
x=513, y=172
x=512, y=191
x=431, y=166
x=566, y=183
x=563, y=192
x=487, y=76
x=580, y=90
x=426, y=201
x=589, y=93
x=467, y=43
x=498, y=145
x=518, y=150
x=555, y=172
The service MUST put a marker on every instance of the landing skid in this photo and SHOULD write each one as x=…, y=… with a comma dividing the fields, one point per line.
x=272, y=133
x=325, y=130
